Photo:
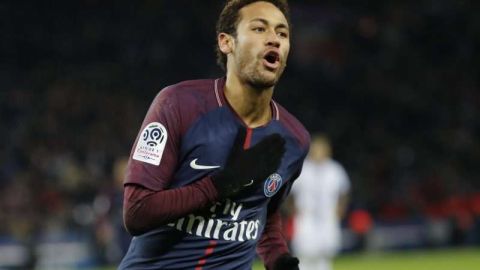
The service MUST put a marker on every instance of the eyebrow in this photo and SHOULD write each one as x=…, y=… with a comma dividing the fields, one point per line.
x=280, y=25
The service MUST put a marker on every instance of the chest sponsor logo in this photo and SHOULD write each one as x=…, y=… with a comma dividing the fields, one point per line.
x=195, y=166
x=222, y=223
x=272, y=185
x=151, y=144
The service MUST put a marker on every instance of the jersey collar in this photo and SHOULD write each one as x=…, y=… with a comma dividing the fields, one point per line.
x=219, y=88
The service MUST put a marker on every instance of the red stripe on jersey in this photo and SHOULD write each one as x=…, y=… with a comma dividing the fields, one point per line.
x=208, y=251
x=248, y=138
x=217, y=95
x=276, y=111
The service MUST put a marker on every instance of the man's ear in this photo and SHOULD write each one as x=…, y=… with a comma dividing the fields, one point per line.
x=225, y=43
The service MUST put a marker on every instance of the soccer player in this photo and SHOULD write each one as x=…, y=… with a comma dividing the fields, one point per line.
x=321, y=197
x=215, y=158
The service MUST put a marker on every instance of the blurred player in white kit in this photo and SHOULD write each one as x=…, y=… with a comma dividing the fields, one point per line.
x=320, y=196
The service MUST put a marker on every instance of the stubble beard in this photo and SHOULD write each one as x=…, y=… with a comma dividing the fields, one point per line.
x=256, y=75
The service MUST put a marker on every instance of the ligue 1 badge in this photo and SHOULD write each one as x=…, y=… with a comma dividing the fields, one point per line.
x=272, y=185
x=151, y=144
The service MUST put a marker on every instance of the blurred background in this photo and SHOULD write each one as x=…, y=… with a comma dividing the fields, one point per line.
x=394, y=84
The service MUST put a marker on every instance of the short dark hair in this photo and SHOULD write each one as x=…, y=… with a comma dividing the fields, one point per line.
x=229, y=19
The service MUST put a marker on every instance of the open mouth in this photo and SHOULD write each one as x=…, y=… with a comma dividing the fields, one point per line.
x=272, y=59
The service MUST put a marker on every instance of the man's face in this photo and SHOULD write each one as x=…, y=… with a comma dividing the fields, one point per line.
x=320, y=150
x=261, y=45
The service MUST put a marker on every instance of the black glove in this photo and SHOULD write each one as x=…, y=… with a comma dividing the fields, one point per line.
x=249, y=168
x=286, y=262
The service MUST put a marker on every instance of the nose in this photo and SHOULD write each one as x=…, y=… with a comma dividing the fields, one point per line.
x=273, y=40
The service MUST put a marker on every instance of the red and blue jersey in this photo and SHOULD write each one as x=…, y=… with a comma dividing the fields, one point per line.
x=187, y=135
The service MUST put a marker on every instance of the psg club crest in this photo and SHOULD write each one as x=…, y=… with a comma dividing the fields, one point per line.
x=272, y=185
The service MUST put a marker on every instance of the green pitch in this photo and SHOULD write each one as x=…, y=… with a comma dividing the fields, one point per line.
x=449, y=259
x=445, y=259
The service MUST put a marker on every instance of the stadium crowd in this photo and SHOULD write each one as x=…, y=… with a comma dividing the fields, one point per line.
x=395, y=84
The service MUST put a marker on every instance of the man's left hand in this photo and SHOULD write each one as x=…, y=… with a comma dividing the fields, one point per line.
x=286, y=262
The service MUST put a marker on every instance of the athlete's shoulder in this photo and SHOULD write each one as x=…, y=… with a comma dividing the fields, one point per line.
x=294, y=126
x=194, y=85
x=189, y=95
x=191, y=87
x=335, y=165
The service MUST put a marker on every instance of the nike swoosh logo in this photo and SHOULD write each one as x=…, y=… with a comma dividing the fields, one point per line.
x=249, y=184
x=196, y=166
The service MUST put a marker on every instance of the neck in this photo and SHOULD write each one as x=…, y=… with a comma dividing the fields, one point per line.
x=251, y=104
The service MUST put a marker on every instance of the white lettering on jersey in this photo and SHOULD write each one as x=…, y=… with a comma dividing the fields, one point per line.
x=215, y=228
x=151, y=144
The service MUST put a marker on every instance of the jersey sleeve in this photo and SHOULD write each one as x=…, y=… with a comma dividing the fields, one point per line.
x=149, y=200
x=155, y=152
x=272, y=243
x=144, y=209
